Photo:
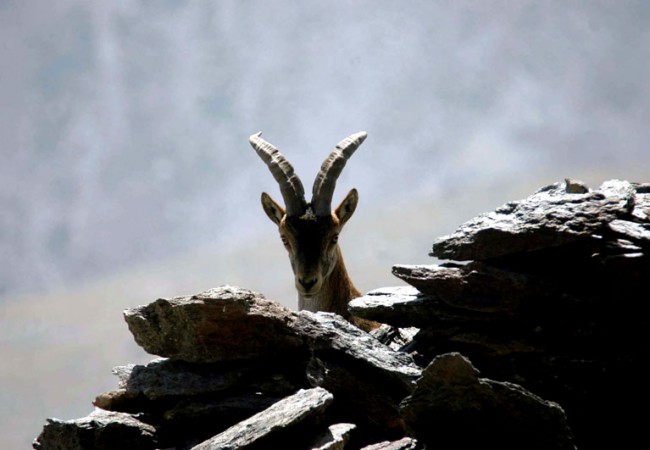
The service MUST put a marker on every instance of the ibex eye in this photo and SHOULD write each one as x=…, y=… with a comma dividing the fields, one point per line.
x=335, y=239
x=285, y=241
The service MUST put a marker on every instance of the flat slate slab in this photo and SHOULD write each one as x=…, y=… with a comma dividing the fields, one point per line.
x=222, y=324
x=100, y=429
x=405, y=306
x=288, y=412
x=330, y=335
x=554, y=215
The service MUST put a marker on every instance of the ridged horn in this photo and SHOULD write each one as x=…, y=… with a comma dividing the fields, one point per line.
x=325, y=182
x=291, y=187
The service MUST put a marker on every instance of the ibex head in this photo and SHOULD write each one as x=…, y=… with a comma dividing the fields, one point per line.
x=309, y=231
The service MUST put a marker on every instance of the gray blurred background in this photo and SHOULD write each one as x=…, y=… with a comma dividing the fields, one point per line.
x=126, y=173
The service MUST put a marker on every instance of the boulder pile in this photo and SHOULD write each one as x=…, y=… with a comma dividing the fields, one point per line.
x=547, y=311
x=548, y=292
x=239, y=371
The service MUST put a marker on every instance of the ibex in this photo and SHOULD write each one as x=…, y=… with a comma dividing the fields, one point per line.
x=310, y=231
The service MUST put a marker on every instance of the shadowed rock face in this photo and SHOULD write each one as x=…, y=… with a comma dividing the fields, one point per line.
x=451, y=407
x=553, y=300
x=551, y=305
x=257, y=431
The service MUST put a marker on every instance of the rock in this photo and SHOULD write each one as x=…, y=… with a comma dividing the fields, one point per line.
x=549, y=218
x=221, y=324
x=623, y=190
x=501, y=311
x=404, y=306
x=275, y=425
x=641, y=212
x=367, y=378
x=575, y=186
x=185, y=400
x=328, y=334
x=99, y=430
x=479, y=288
x=402, y=444
x=119, y=400
x=395, y=306
x=451, y=407
x=335, y=438
x=642, y=188
x=393, y=337
x=164, y=378
x=634, y=232
x=331, y=352
x=552, y=303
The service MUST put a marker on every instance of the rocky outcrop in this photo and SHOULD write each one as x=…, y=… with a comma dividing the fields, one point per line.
x=543, y=297
x=451, y=407
x=551, y=217
x=100, y=429
x=217, y=325
x=347, y=383
x=552, y=299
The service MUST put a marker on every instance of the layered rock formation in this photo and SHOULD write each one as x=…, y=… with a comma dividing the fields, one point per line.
x=546, y=317
x=308, y=380
x=552, y=298
x=240, y=371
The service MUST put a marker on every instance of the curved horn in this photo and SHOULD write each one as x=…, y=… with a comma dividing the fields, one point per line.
x=290, y=185
x=329, y=172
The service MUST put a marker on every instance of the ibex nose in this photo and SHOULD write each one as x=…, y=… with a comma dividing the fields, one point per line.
x=307, y=283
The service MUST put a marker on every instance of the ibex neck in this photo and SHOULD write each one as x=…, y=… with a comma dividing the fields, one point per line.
x=336, y=293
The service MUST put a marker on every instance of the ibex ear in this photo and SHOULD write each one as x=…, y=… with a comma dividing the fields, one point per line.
x=272, y=209
x=345, y=210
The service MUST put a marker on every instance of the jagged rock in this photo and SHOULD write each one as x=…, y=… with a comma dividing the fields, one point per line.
x=367, y=378
x=335, y=438
x=329, y=334
x=402, y=444
x=575, y=186
x=549, y=218
x=222, y=324
x=479, y=288
x=642, y=188
x=403, y=306
x=393, y=337
x=162, y=378
x=501, y=311
x=553, y=302
x=451, y=407
x=635, y=232
x=275, y=425
x=334, y=353
x=185, y=400
x=236, y=320
x=641, y=212
x=99, y=430
x=331, y=352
